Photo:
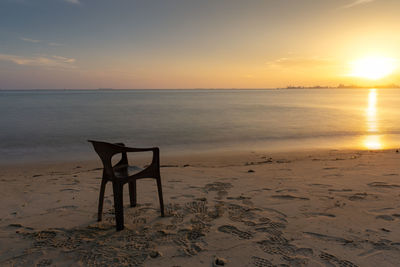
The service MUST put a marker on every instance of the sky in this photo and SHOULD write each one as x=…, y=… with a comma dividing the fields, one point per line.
x=140, y=44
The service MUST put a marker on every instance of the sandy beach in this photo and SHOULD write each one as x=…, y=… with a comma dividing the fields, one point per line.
x=315, y=208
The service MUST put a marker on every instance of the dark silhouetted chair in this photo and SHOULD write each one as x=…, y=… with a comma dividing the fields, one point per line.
x=121, y=173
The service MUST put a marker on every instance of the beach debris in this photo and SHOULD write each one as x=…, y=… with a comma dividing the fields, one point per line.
x=220, y=261
x=250, y=170
x=169, y=166
x=339, y=204
x=258, y=162
x=155, y=254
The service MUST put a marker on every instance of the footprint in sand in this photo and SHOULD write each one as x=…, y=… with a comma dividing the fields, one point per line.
x=238, y=213
x=196, y=207
x=276, y=211
x=305, y=251
x=261, y=262
x=277, y=245
x=270, y=230
x=230, y=229
x=63, y=208
x=335, y=261
x=220, y=187
x=69, y=190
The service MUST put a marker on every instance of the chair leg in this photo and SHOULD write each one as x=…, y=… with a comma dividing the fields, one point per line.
x=160, y=196
x=118, y=205
x=132, y=193
x=101, y=199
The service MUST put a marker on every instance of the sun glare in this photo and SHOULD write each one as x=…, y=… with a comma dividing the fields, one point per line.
x=373, y=68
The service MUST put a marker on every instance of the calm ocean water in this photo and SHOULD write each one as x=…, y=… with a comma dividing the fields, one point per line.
x=55, y=124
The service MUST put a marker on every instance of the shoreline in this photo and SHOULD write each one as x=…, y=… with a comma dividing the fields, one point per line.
x=288, y=146
x=305, y=208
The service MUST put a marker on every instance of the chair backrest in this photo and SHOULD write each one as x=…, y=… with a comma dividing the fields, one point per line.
x=106, y=151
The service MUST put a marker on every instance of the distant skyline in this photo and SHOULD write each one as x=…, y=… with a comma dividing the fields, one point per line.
x=136, y=44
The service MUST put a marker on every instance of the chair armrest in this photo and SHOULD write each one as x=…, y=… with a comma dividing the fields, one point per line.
x=135, y=149
x=124, y=150
x=119, y=144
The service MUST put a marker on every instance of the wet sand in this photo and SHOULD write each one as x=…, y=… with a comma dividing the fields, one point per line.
x=315, y=208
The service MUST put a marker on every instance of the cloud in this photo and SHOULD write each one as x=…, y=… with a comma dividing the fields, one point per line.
x=40, y=61
x=357, y=2
x=76, y=2
x=29, y=40
x=55, y=44
x=302, y=62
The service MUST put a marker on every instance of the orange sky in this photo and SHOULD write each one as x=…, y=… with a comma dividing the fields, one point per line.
x=194, y=44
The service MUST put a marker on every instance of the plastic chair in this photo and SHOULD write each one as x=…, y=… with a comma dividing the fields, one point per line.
x=121, y=173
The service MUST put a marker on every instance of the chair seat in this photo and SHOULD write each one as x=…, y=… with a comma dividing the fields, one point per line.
x=126, y=170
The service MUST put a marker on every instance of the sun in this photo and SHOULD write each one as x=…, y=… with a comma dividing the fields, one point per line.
x=373, y=68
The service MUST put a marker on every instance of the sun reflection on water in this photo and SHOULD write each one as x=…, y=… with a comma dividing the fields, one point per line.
x=372, y=125
x=373, y=142
x=373, y=139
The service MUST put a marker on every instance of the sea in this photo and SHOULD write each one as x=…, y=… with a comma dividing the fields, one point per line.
x=48, y=125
